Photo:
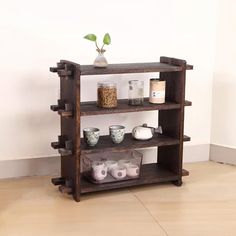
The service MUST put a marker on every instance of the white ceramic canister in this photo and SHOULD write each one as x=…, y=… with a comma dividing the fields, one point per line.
x=157, y=91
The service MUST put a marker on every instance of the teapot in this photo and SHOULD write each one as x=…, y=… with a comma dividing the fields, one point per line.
x=144, y=132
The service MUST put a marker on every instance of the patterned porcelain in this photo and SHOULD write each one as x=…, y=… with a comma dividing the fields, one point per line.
x=117, y=133
x=91, y=136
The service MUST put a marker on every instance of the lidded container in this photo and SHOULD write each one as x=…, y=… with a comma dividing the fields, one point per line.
x=136, y=91
x=105, y=167
x=107, y=94
x=157, y=91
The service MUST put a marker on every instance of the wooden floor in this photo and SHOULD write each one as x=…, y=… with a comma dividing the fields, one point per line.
x=205, y=205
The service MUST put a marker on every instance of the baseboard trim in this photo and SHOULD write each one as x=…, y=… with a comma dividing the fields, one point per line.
x=223, y=154
x=51, y=165
x=196, y=153
x=30, y=167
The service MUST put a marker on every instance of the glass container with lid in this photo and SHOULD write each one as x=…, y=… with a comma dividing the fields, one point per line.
x=107, y=94
x=136, y=91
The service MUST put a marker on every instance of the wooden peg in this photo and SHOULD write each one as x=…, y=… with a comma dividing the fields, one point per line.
x=58, y=181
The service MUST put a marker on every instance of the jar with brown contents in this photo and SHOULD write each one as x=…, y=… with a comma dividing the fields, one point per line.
x=107, y=95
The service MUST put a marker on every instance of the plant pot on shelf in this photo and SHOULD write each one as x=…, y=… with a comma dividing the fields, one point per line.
x=100, y=60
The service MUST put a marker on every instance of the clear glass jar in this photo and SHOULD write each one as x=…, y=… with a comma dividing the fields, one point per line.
x=107, y=95
x=136, y=91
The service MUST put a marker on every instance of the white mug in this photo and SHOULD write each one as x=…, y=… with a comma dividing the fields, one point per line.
x=124, y=162
x=99, y=170
x=132, y=171
x=111, y=165
x=119, y=172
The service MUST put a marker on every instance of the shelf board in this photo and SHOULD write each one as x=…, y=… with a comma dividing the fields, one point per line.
x=91, y=108
x=125, y=68
x=105, y=143
x=150, y=174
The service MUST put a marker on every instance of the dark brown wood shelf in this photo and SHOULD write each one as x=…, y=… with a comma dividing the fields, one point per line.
x=105, y=143
x=150, y=174
x=71, y=146
x=91, y=108
x=126, y=68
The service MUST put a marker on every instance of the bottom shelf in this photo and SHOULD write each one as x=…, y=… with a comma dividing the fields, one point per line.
x=151, y=173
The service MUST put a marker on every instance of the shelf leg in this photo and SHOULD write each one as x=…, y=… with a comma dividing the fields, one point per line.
x=178, y=183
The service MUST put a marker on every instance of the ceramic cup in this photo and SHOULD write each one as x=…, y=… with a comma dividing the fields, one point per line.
x=99, y=170
x=118, y=172
x=132, y=171
x=117, y=133
x=124, y=162
x=91, y=136
x=111, y=165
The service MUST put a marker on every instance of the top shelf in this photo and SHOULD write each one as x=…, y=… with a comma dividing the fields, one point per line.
x=126, y=68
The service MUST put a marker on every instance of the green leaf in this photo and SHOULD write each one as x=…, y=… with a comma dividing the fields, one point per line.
x=91, y=37
x=107, y=39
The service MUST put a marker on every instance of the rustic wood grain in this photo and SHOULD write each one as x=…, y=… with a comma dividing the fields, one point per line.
x=91, y=108
x=171, y=118
x=105, y=143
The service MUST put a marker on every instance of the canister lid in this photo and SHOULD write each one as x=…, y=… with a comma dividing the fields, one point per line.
x=107, y=84
x=156, y=80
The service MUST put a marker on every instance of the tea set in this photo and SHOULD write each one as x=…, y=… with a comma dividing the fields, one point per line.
x=117, y=133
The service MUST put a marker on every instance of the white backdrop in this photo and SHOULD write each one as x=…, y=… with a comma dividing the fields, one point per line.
x=37, y=34
x=224, y=86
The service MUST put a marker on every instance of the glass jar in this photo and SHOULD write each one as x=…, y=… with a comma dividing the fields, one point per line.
x=136, y=91
x=157, y=91
x=107, y=95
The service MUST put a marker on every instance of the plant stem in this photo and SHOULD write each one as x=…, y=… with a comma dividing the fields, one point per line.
x=102, y=46
x=97, y=45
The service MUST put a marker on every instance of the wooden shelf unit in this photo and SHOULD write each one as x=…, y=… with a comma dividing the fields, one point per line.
x=171, y=117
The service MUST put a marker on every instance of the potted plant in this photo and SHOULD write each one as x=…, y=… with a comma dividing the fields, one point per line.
x=100, y=60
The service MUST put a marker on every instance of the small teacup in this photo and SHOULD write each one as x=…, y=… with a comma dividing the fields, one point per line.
x=91, y=136
x=124, y=162
x=117, y=133
x=111, y=165
x=99, y=170
x=132, y=171
x=118, y=172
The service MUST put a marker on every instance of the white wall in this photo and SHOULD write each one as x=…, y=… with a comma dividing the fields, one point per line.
x=37, y=34
x=224, y=86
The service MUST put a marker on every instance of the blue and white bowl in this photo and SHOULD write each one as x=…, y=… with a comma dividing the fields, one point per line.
x=117, y=133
